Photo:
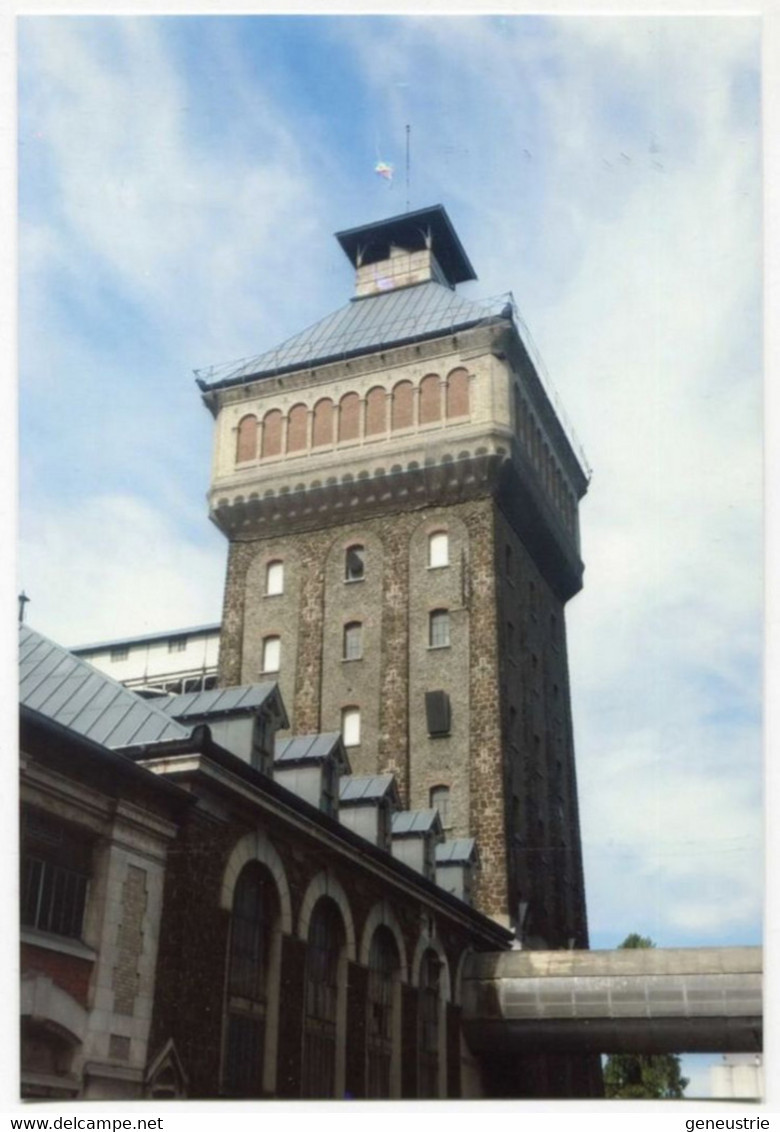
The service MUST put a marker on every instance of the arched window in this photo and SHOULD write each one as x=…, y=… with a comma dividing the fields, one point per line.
x=272, y=433
x=376, y=415
x=440, y=800
x=324, y=961
x=403, y=405
x=428, y=1025
x=355, y=563
x=353, y=640
x=272, y=654
x=297, y=423
x=349, y=417
x=350, y=726
x=254, y=914
x=323, y=423
x=458, y=393
x=246, y=446
x=430, y=399
x=274, y=578
x=439, y=628
x=438, y=549
x=381, y=1041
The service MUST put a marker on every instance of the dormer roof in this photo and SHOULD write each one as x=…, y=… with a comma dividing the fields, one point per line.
x=368, y=788
x=312, y=749
x=459, y=851
x=413, y=823
x=247, y=699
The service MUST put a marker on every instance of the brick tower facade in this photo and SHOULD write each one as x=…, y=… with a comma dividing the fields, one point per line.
x=400, y=499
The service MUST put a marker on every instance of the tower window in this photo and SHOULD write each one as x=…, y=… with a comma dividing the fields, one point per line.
x=439, y=629
x=350, y=726
x=272, y=654
x=353, y=641
x=440, y=800
x=246, y=442
x=355, y=564
x=437, y=713
x=274, y=578
x=438, y=549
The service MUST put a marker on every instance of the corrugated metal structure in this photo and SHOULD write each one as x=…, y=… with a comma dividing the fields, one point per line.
x=72, y=693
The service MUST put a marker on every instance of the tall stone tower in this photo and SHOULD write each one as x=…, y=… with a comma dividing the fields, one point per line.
x=400, y=499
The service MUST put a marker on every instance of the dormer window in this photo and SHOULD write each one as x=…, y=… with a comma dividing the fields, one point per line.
x=274, y=578
x=438, y=549
x=355, y=564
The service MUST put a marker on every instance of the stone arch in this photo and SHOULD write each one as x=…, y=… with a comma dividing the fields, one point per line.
x=322, y=431
x=326, y=884
x=297, y=428
x=403, y=405
x=382, y=915
x=349, y=417
x=42, y=1000
x=376, y=411
x=430, y=399
x=256, y=847
x=272, y=433
x=458, y=393
x=246, y=440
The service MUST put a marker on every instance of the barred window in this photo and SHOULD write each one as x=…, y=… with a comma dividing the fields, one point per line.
x=353, y=640
x=428, y=1025
x=255, y=909
x=383, y=968
x=439, y=629
x=326, y=939
x=55, y=872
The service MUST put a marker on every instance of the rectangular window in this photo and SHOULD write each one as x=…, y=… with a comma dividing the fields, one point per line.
x=55, y=868
x=350, y=726
x=355, y=565
x=353, y=641
x=120, y=654
x=438, y=549
x=274, y=579
x=177, y=644
x=272, y=654
x=439, y=629
x=437, y=713
x=440, y=800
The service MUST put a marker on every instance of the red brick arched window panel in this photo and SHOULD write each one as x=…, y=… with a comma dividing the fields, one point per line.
x=430, y=399
x=246, y=447
x=272, y=433
x=296, y=428
x=458, y=393
x=376, y=414
x=403, y=405
x=323, y=423
x=349, y=417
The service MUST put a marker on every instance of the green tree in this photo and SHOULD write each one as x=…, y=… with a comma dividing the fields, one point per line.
x=649, y=1076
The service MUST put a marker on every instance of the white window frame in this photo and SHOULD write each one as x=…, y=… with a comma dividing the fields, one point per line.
x=268, y=658
x=439, y=613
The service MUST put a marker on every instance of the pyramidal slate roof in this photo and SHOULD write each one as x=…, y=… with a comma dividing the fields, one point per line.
x=69, y=691
x=375, y=322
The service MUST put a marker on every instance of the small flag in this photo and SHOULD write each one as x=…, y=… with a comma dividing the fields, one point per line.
x=384, y=170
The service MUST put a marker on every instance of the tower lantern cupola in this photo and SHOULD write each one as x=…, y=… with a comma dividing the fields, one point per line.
x=415, y=247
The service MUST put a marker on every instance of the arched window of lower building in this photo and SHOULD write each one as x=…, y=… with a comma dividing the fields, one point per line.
x=428, y=1028
x=254, y=916
x=325, y=998
x=382, y=1037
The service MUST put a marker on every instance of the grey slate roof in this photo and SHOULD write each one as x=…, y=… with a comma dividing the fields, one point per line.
x=366, y=787
x=363, y=325
x=415, y=822
x=459, y=851
x=71, y=692
x=218, y=701
x=306, y=748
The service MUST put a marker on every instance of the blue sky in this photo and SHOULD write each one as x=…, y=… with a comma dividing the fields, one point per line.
x=180, y=182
